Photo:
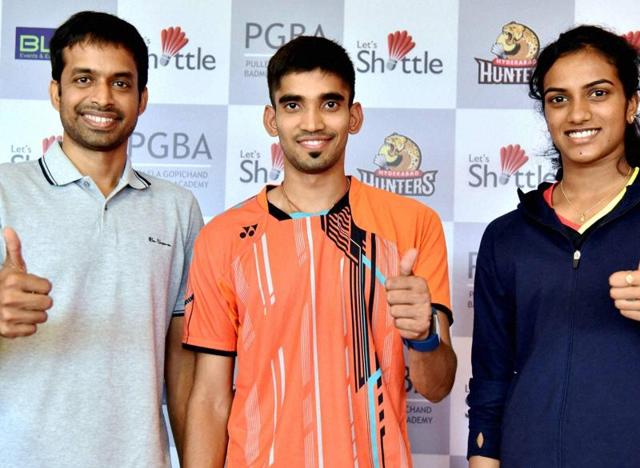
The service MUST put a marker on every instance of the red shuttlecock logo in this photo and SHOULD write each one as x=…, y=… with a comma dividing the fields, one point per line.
x=48, y=141
x=400, y=44
x=277, y=161
x=512, y=158
x=633, y=38
x=173, y=39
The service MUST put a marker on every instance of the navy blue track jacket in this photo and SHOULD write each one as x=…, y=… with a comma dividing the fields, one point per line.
x=556, y=367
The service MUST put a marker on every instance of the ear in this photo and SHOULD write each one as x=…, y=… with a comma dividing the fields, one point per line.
x=144, y=98
x=54, y=94
x=356, y=118
x=632, y=108
x=269, y=121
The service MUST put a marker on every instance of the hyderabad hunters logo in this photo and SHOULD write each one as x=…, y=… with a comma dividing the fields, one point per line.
x=516, y=50
x=399, y=44
x=173, y=40
x=398, y=161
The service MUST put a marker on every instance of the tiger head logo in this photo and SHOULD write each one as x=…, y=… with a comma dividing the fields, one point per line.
x=398, y=154
x=516, y=43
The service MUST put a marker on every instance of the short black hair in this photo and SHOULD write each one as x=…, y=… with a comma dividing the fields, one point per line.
x=308, y=53
x=96, y=27
x=617, y=51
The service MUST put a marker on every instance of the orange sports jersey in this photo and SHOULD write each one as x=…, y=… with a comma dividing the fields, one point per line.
x=320, y=369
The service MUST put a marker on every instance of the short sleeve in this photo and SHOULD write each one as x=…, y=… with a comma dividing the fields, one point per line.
x=195, y=224
x=211, y=314
x=432, y=262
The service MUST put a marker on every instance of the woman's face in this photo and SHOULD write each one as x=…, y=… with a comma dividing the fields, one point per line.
x=586, y=109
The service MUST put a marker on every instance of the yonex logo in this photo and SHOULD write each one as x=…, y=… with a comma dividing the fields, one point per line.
x=189, y=300
x=248, y=231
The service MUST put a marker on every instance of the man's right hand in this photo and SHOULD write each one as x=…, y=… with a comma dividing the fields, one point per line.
x=24, y=298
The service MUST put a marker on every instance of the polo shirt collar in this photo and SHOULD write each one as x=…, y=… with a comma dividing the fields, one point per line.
x=58, y=169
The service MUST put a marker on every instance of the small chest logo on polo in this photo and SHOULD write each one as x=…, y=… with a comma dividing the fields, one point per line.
x=156, y=240
x=399, y=160
x=248, y=231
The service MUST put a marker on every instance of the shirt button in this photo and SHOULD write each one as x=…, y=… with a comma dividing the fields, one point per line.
x=86, y=184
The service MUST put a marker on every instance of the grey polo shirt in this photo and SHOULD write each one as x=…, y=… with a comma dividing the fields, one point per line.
x=86, y=389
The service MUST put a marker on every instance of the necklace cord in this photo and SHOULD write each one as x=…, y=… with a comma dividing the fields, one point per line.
x=294, y=208
x=583, y=213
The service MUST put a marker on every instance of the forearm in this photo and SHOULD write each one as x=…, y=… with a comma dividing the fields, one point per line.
x=433, y=372
x=483, y=462
x=179, y=369
x=206, y=435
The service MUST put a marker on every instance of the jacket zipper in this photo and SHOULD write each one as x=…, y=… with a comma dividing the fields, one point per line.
x=576, y=259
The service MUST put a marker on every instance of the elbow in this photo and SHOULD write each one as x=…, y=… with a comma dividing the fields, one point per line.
x=435, y=394
x=439, y=385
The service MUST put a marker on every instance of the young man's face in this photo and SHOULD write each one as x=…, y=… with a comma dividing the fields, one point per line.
x=313, y=120
x=97, y=96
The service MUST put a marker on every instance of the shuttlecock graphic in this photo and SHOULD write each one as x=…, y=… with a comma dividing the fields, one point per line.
x=47, y=142
x=400, y=43
x=512, y=158
x=277, y=161
x=633, y=38
x=173, y=39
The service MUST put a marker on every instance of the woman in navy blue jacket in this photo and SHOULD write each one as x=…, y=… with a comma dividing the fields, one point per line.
x=556, y=339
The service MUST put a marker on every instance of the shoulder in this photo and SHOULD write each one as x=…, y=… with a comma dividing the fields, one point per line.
x=399, y=207
x=229, y=226
x=389, y=200
x=23, y=168
x=164, y=188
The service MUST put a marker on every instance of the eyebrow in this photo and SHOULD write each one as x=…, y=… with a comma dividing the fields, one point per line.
x=122, y=74
x=324, y=97
x=588, y=85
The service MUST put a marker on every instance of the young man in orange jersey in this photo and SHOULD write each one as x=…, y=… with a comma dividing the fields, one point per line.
x=312, y=289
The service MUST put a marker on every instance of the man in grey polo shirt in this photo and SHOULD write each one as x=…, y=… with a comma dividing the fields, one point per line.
x=93, y=272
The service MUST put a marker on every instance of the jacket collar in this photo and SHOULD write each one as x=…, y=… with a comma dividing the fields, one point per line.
x=533, y=205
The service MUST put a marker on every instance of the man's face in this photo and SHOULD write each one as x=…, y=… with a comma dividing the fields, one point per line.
x=312, y=119
x=97, y=96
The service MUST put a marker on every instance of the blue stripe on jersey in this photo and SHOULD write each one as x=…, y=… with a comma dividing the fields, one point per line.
x=373, y=417
x=378, y=273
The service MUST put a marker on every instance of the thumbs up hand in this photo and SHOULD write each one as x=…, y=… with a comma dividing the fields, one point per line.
x=24, y=298
x=625, y=292
x=409, y=300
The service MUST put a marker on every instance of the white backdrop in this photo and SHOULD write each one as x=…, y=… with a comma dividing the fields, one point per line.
x=447, y=95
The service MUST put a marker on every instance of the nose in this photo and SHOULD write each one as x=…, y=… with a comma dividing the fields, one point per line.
x=579, y=111
x=102, y=94
x=312, y=120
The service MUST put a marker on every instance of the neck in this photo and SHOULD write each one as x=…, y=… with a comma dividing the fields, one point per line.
x=309, y=193
x=104, y=167
x=594, y=179
x=585, y=190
